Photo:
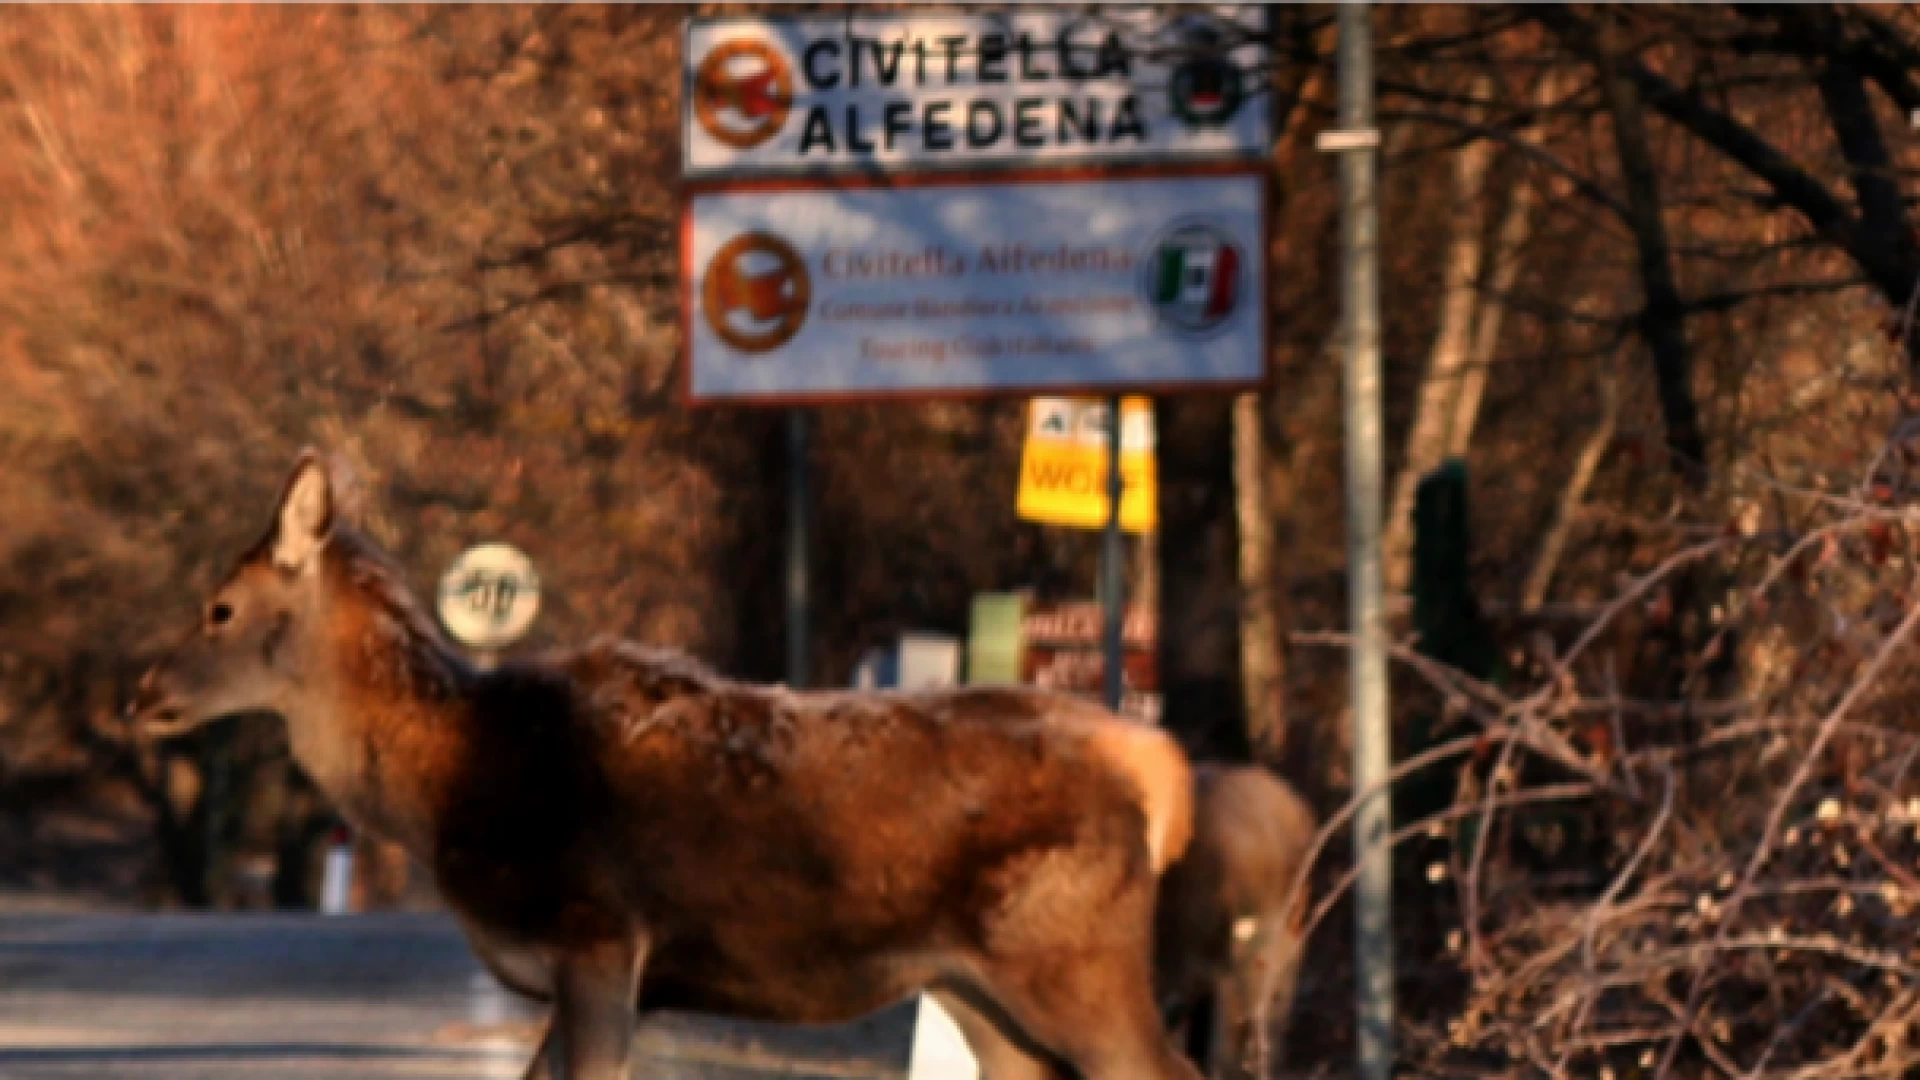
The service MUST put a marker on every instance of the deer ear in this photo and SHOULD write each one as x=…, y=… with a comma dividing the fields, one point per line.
x=305, y=517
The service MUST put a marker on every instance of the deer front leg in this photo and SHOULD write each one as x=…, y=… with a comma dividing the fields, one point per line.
x=542, y=1065
x=525, y=970
x=590, y=1035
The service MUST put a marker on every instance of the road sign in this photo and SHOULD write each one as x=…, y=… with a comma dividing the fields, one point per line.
x=1062, y=650
x=1058, y=646
x=489, y=596
x=993, y=639
x=923, y=90
x=898, y=255
x=975, y=286
x=1063, y=466
x=939, y=1050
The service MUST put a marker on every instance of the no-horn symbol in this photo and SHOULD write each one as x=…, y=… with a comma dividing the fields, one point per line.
x=742, y=93
x=755, y=293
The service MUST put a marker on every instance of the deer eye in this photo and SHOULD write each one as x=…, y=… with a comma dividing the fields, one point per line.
x=219, y=614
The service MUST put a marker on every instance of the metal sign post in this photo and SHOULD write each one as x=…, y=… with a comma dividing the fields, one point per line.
x=797, y=548
x=862, y=228
x=1016, y=202
x=1357, y=143
x=1112, y=562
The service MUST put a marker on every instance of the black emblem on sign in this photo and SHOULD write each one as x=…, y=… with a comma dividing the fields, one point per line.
x=488, y=595
x=1205, y=89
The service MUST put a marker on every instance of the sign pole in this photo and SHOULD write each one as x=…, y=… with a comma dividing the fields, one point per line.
x=797, y=514
x=1357, y=143
x=1112, y=568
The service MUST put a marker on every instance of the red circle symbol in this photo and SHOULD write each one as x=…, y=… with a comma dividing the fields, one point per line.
x=755, y=292
x=742, y=93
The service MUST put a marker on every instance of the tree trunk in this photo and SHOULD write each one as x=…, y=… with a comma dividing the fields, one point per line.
x=1261, y=666
x=1428, y=438
x=1885, y=236
x=1516, y=226
x=1502, y=271
x=1199, y=576
x=1566, y=514
x=1263, y=661
x=1663, y=314
x=1262, y=656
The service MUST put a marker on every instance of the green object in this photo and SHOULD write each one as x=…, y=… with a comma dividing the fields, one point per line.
x=1445, y=613
x=1453, y=632
x=1447, y=617
x=993, y=639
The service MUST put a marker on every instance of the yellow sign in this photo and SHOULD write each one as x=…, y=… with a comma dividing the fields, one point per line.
x=1063, y=468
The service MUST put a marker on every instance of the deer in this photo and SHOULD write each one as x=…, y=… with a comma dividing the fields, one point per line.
x=627, y=830
x=1229, y=935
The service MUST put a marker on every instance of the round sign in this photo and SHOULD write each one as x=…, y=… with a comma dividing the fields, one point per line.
x=489, y=596
x=742, y=93
x=756, y=292
x=1205, y=88
x=1193, y=278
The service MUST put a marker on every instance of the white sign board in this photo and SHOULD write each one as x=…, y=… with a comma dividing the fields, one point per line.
x=916, y=90
x=939, y=1050
x=1019, y=285
x=489, y=596
x=928, y=661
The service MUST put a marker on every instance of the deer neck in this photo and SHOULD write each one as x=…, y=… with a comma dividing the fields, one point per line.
x=383, y=714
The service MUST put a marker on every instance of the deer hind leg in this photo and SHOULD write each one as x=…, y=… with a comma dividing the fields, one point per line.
x=1191, y=1026
x=590, y=1034
x=1255, y=999
x=1092, y=1009
x=524, y=970
x=1281, y=969
x=1240, y=1047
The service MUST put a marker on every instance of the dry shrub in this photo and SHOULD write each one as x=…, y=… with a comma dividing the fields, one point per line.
x=1751, y=906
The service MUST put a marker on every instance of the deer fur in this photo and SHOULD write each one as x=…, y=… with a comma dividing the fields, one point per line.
x=617, y=823
x=1229, y=932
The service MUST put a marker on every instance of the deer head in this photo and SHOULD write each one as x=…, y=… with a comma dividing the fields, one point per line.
x=260, y=635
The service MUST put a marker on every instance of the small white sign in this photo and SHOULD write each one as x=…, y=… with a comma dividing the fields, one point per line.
x=924, y=89
x=489, y=596
x=336, y=879
x=928, y=661
x=939, y=1050
x=1018, y=285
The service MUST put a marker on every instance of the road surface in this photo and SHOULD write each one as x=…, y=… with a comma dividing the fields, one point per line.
x=218, y=997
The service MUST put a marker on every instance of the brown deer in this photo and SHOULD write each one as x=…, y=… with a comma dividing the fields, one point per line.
x=618, y=824
x=1229, y=932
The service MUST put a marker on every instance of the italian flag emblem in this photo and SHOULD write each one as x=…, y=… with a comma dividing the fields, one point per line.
x=1195, y=278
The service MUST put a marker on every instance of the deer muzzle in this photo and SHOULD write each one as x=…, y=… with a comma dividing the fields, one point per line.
x=154, y=710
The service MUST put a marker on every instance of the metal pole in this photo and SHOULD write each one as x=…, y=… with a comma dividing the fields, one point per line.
x=797, y=515
x=1112, y=568
x=1357, y=143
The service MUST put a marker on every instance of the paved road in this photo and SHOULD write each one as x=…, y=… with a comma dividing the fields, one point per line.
x=202, y=997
